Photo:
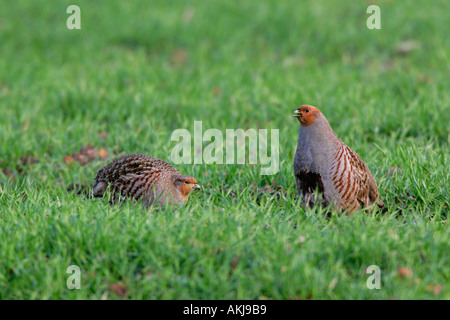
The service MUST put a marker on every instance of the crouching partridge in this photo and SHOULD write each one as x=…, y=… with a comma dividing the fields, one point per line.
x=324, y=163
x=143, y=177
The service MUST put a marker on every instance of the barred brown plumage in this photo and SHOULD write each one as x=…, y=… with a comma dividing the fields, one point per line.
x=324, y=163
x=143, y=177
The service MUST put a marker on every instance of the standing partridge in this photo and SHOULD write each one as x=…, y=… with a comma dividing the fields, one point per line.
x=143, y=177
x=324, y=163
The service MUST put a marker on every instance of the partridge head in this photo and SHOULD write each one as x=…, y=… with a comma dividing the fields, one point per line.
x=143, y=177
x=324, y=164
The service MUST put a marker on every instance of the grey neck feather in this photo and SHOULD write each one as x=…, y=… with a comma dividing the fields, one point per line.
x=316, y=142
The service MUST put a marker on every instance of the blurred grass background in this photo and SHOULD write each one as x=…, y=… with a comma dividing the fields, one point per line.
x=138, y=70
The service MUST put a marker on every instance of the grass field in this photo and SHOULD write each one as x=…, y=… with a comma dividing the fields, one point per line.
x=138, y=70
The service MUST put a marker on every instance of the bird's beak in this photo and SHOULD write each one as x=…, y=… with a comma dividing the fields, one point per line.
x=196, y=187
x=297, y=114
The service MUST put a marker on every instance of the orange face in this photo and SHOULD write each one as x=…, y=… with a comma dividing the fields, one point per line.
x=306, y=115
x=185, y=185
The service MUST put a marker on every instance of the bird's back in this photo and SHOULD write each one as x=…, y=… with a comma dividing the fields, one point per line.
x=132, y=175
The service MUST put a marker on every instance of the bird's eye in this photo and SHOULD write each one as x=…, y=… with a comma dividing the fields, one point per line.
x=307, y=110
x=187, y=182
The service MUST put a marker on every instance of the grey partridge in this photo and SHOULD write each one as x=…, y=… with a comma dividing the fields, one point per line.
x=143, y=177
x=324, y=163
